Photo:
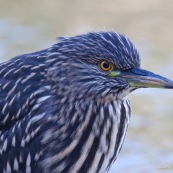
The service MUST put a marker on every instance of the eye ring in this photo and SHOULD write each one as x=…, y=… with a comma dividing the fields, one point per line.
x=106, y=65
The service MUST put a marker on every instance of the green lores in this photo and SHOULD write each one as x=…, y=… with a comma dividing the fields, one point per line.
x=140, y=78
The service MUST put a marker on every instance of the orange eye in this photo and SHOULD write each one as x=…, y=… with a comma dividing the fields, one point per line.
x=106, y=65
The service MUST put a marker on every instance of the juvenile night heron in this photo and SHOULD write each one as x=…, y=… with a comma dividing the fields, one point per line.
x=64, y=109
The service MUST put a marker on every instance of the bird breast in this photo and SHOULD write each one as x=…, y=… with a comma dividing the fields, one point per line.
x=95, y=141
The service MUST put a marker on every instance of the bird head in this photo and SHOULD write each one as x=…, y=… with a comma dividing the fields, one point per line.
x=100, y=65
x=90, y=75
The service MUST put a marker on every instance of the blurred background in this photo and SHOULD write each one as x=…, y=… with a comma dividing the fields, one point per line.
x=27, y=26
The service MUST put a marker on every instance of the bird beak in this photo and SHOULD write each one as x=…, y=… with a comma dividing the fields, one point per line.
x=140, y=78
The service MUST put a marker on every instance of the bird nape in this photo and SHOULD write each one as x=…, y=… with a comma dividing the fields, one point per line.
x=64, y=109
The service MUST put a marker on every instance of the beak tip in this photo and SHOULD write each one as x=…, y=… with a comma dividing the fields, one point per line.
x=169, y=86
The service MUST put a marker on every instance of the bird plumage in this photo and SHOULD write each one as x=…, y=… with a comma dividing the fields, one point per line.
x=22, y=84
x=59, y=112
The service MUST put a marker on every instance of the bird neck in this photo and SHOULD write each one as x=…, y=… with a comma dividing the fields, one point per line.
x=83, y=130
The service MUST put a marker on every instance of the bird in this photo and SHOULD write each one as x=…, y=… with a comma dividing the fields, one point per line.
x=65, y=109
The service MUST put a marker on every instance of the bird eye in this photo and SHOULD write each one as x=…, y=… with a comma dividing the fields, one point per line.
x=106, y=65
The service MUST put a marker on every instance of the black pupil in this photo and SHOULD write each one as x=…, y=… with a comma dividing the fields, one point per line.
x=106, y=65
